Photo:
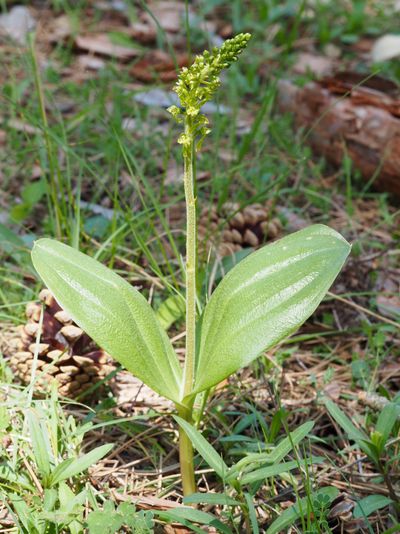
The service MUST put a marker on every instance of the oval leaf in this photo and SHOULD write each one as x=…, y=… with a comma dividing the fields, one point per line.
x=112, y=312
x=266, y=297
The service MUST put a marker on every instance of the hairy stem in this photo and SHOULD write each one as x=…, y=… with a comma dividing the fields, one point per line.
x=185, y=445
x=190, y=258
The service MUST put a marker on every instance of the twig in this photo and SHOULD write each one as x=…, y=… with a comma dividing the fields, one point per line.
x=363, y=310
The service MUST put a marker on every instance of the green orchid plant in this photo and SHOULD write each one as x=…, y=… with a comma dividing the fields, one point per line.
x=263, y=299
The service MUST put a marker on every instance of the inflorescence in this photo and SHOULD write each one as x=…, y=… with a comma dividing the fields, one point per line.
x=197, y=84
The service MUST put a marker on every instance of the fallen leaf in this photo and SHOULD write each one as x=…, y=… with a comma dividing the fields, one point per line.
x=90, y=62
x=169, y=15
x=17, y=23
x=317, y=64
x=158, y=65
x=333, y=390
x=21, y=126
x=294, y=222
x=101, y=44
x=388, y=299
x=386, y=47
x=143, y=32
x=60, y=29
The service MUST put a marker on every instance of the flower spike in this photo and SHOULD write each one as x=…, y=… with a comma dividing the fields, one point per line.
x=197, y=84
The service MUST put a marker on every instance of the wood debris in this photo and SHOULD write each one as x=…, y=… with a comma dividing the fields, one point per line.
x=348, y=114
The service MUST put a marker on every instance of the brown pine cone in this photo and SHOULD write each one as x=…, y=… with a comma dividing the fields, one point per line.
x=65, y=353
x=230, y=229
x=6, y=519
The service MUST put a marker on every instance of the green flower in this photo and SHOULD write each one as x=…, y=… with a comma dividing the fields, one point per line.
x=197, y=84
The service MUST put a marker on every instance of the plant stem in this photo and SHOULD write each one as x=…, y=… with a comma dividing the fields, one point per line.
x=189, y=176
x=391, y=490
x=186, y=454
x=185, y=445
x=48, y=143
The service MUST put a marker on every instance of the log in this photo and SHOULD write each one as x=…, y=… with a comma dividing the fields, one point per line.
x=339, y=116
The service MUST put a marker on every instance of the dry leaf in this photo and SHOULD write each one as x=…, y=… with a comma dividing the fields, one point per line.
x=386, y=47
x=90, y=62
x=388, y=299
x=158, y=65
x=101, y=44
x=17, y=23
x=60, y=29
x=21, y=126
x=170, y=15
x=317, y=64
x=143, y=32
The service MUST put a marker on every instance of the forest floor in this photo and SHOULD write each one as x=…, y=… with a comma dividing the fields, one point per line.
x=89, y=156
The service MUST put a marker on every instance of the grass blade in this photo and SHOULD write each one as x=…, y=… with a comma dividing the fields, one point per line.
x=370, y=504
x=278, y=469
x=205, y=449
x=39, y=444
x=68, y=468
x=299, y=509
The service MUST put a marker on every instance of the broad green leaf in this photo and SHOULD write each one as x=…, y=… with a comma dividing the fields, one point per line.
x=170, y=311
x=299, y=509
x=49, y=499
x=68, y=499
x=266, y=297
x=386, y=420
x=370, y=504
x=75, y=466
x=17, y=479
x=112, y=312
x=205, y=449
x=22, y=511
x=99, y=522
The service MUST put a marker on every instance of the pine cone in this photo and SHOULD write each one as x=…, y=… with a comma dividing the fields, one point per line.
x=231, y=229
x=6, y=519
x=65, y=353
